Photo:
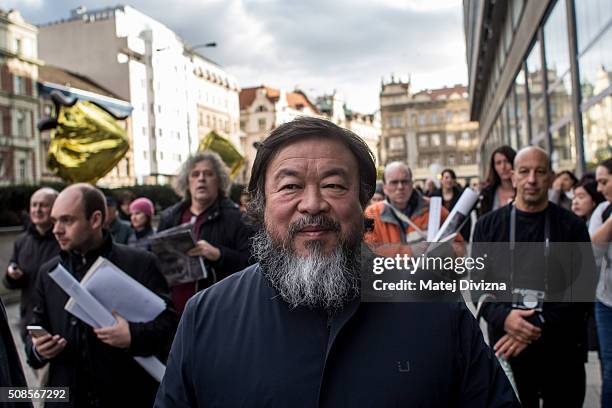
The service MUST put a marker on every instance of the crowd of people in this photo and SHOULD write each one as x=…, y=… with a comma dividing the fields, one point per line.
x=278, y=320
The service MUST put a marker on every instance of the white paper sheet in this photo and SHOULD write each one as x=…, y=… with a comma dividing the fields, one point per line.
x=460, y=212
x=92, y=312
x=435, y=210
x=118, y=291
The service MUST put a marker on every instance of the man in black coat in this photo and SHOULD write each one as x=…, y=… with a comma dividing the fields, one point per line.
x=551, y=259
x=292, y=330
x=31, y=249
x=96, y=364
x=11, y=372
x=222, y=237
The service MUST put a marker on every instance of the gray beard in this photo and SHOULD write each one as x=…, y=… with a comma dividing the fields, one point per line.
x=315, y=281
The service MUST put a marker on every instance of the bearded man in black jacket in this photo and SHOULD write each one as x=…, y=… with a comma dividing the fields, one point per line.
x=97, y=365
x=292, y=331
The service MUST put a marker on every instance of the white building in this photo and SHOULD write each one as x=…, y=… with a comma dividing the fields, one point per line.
x=147, y=64
x=216, y=99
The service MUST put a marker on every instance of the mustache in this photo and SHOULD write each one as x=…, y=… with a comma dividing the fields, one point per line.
x=319, y=221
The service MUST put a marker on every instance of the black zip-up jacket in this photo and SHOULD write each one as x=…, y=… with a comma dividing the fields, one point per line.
x=30, y=251
x=223, y=229
x=11, y=373
x=100, y=375
x=563, y=324
x=239, y=344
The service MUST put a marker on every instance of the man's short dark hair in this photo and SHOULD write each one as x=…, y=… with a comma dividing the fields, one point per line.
x=298, y=129
x=93, y=200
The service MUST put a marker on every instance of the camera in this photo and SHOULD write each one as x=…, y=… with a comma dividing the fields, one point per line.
x=528, y=299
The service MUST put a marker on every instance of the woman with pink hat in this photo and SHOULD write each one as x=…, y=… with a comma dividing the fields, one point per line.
x=141, y=213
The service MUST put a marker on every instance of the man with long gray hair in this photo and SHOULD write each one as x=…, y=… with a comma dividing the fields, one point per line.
x=222, y=238
x=292, y=330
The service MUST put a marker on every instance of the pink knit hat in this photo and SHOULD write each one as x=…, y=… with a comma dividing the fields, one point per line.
x=144, y=205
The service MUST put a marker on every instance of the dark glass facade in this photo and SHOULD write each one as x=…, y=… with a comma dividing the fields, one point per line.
x=548, y=82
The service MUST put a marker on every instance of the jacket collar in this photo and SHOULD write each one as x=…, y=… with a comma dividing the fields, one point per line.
x=34, y=233
x=212, y=212
x=69, y=258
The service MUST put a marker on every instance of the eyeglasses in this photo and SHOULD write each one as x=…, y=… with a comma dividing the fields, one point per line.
x=395, y=183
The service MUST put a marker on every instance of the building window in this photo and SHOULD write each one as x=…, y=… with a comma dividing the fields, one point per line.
x=451, y=160
x=243, y=124
x=17, y=45
x=467, y=158
x=19, y=85
x=178, y=135
x=424, y=161
x=435, y=139
x=22, y=169
x=144, y=155
x=434, y=118
x=451, y=140
x=396, y=143
x=422, y=118
x=161, y=155
x=449, y=117
x=465, y=139
x=160, y=132
x=597, y=128
x=261, y=108
x=261, y=123
x=423, y=141
x=22, y=128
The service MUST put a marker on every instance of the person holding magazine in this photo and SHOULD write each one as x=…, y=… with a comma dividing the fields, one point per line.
x=221, y=238
x=97, y=365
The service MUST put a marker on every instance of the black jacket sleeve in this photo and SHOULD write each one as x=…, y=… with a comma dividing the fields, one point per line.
x=483, y=382
x=494, y=312
x=176, y=388
x=9, y=282
x=238, y=257
x=154, y=337
x=39, y=318
x=581, y=277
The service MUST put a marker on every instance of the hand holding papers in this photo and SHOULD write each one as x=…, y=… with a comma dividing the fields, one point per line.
x=106, y=288
x=171, y=246
x=458, y=216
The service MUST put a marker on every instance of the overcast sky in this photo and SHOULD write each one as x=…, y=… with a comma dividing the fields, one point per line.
x=316, y=45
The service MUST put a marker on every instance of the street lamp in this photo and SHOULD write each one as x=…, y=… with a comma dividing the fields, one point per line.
x=205, y=45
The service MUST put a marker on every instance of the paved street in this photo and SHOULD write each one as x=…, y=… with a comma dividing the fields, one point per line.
x=593, y=378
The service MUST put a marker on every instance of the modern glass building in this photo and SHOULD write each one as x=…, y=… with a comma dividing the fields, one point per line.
x=540, y=73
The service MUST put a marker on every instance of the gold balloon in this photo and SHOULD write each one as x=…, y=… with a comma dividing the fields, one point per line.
x=86, y=144
x=228, y=152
